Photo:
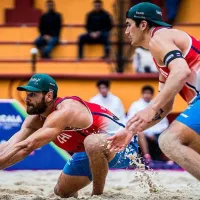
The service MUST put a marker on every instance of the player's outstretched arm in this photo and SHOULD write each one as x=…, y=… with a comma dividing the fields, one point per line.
x=67, y=116
x=30, y=125
x=121, y=139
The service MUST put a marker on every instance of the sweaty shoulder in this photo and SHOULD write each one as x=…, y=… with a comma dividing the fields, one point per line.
x=68, y=103
x=73, y=106
x=166, y=40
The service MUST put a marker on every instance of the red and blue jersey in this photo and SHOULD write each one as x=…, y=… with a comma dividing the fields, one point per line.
x=104, y=121
x=192, y=56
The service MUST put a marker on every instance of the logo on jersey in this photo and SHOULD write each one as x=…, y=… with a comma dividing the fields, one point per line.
x=102, y=108
x=63, y=137
x=184, y=115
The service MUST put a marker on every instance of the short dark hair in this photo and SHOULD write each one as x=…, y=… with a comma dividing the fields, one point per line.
x=50, y=1
x=150, y=23
x=105, y=82
x=54, y=94
x=97, y=1
x=149, y=88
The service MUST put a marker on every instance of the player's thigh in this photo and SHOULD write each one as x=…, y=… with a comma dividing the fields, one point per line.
x=180, y=133
x=70, y=185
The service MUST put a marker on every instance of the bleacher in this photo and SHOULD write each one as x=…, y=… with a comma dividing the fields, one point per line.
x=16, y=41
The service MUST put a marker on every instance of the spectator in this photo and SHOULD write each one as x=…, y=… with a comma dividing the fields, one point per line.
x=49, y=28
x=143, y=61
x=149, y=147
x=172, y=7
x=108, y=100
x=98, y=25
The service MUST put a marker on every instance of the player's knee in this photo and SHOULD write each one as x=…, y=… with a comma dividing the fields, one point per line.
x=63, y=194
x=162, y=142
x=167, y=141
x=57, y=191
x=93, y=143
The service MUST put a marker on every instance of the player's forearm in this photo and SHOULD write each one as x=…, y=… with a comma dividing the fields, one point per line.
x=173, y=85
x=17, y=153
x=3, y=148
x=161, y=114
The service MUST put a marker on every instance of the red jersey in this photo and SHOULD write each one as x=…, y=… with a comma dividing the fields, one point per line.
x=192, y=56
x=103, y=122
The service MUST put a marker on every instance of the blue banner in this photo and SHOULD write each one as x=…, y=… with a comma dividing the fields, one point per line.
x=12, y=115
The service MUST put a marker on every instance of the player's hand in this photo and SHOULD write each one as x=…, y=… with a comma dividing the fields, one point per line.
x=93, y=35
x=47, y=37
x=98, y=33
x=119, y=141
x=139, y=121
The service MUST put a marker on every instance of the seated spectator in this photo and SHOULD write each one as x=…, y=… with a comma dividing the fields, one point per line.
x=49, y=28
x=143, y=61
x=108, y=100
x=98, y=25
x=150, y=147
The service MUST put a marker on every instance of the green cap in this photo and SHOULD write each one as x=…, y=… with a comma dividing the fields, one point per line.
x=147, y=11
x=40, y=83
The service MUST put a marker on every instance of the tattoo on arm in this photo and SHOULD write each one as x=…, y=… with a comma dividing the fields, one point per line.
x=158, y=115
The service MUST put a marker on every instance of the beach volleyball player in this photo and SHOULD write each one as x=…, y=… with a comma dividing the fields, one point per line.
x=72, y=124
x=177, y=57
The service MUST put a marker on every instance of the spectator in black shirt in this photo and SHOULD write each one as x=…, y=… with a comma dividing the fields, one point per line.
x=49, y=28
x=98, y=25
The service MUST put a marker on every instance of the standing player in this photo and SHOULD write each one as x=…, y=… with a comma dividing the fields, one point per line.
x=177, y=57
x=75, y=126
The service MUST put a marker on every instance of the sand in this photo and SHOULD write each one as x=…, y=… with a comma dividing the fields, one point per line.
x=120, y=185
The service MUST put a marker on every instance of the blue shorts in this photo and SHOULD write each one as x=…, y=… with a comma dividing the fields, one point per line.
x=78, y=165
x=191, y=116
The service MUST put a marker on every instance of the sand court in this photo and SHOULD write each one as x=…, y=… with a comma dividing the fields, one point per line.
x=120, y=185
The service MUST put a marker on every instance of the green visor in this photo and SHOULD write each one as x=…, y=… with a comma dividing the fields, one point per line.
x=29, y=89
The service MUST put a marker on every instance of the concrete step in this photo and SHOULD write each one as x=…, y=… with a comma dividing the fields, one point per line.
x=30, y=33
x=61, y=66
x=69, y=32
x=57, y=67
x=17, y=50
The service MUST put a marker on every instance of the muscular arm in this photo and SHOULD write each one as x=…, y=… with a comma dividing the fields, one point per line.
x=70, y=114
x=31, y=124
x=161, y=114
x=179, y=71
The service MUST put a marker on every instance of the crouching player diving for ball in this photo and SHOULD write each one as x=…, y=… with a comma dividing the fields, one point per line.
x=75, y=126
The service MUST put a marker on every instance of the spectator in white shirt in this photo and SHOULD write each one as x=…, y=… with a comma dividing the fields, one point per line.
x=143, y=61
x=152, y=133
x=108, y=100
